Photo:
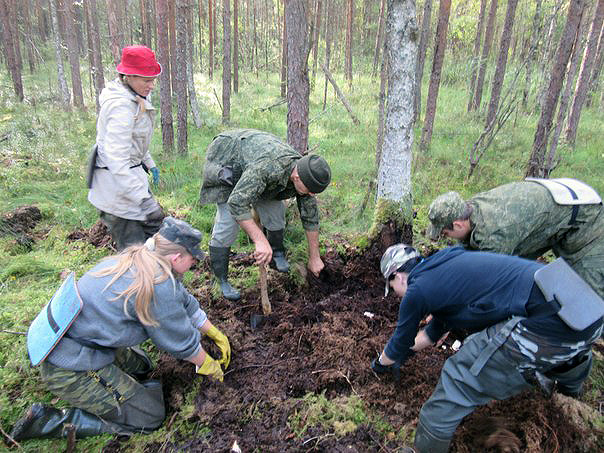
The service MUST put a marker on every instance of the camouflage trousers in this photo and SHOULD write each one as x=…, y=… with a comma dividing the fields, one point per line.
x=125, y=232
x=494, y=364
x=226, y=228
x=111, y=392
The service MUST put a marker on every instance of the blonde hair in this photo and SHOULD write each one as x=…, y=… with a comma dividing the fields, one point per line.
x=149, y=265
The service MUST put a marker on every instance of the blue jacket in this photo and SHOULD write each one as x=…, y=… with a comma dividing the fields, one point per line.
x=462, y=290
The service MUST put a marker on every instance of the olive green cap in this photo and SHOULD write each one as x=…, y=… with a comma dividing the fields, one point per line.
x=443, y=211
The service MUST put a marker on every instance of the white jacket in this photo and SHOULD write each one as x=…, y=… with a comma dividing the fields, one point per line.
x=123, y=138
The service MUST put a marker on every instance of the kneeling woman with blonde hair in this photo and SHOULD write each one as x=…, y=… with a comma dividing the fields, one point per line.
x=95, y=364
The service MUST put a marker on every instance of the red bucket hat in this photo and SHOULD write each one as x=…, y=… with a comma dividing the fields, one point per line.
x=140, y=61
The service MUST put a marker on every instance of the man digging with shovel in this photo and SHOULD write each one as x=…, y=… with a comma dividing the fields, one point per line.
x=245, y=169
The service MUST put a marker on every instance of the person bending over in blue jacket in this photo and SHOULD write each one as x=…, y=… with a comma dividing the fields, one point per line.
x=519, y=334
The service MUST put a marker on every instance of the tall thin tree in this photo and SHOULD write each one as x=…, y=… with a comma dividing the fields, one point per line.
x=165, y=85
x=236, y=46
x=421, y=57
x=73, y=52
x=9, y=49
x=226, y=62
x=475, y=54
x=182, y=11
x=116, y=30
x=486, y=48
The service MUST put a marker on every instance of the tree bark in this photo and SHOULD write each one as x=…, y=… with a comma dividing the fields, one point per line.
x=226, y=62
x=499, y=75
x=28, y=36
x=328, y=34
x=394, y=174
x=298, y=87
x=8, y=37
x=475, y=55
x=421, y=57
x=62, y=83
x=192, y=95
x=165, y=85
x=536, y=31
x=73, y=51
x=116, y=30
x=536, y=162
x=211, y=39
x=349, y=21
x=488, y=40
x=381, y=108
x=315, y=41
x=236, y=46
x=437, y=65
x=284, y=51
x=181, y=12
x=96, y=60
x=172, y=40
x=585, y=74
x=379, y=37
x=42, y=25
x=595, y=75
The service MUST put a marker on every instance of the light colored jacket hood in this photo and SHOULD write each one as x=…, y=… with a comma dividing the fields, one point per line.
x=120, y=185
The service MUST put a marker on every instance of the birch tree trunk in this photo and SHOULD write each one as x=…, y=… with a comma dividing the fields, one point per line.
x=421, y=57
x=298, y=87
x=585, y=74
x=437, y=65
x=499, y=75
x=394, y=193
x=226, y=62
x=535, y=165
x=165, y=85
x=488, y=40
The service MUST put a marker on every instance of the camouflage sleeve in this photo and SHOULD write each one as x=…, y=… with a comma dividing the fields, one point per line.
x=309, y=212
x=493, y=241
x=247, y=191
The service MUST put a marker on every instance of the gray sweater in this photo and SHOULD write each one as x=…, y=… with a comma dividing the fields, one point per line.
x=103, y=322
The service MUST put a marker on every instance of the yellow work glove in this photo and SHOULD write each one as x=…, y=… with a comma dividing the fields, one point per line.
x=223, y=344
x=210, y=367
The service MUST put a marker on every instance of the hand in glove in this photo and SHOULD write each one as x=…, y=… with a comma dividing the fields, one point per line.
x=155, y=174
x=210, y=367
x=393, y=369
x=223, y=344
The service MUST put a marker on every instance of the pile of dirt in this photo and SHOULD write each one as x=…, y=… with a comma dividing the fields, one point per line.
x=96, y=235
x=321, y=339
x=20, y=223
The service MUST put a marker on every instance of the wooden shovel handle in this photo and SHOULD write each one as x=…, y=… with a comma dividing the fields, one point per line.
x=266, y=304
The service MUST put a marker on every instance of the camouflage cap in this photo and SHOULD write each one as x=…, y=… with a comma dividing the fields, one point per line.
x=314, y=172
x=181, y=233
x=393, y=258
x=443, y=211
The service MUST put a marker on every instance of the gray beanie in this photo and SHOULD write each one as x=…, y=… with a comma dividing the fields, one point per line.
x=314, y=172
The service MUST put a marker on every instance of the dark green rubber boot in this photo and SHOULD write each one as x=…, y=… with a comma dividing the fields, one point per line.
x=275, y=239
x=219, y=259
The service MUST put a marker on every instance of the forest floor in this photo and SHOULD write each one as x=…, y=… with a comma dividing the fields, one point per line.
x=320, y=340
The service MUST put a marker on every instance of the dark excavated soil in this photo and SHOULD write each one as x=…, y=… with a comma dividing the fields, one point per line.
x=319, y=340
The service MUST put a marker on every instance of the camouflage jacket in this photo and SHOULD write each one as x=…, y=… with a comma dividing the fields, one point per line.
x=522, y=218
x=261, y=165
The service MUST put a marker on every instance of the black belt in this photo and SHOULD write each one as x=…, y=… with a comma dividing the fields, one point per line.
x=134, y=166
x=575, y=211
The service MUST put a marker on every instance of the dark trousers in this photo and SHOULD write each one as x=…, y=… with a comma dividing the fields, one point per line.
x=125, y=232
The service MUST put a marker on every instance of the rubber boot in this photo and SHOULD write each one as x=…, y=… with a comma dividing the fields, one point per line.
x=275, y=239
x=219, y=259
x=426, y=442
x=43, y=421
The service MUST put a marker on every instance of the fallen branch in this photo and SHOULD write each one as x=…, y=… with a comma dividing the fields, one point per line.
x=218, y=100
x=276, y=104
x=10, y=438
x=340, y=95
x=13, y=332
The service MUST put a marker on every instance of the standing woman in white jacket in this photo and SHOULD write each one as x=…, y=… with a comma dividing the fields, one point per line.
x=117, y=178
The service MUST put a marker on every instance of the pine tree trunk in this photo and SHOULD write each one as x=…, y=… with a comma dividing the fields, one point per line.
x=211, y=39
x=394, y=205
x=328, y=34
x=585, y=74
x=226, y=62
x=73, y=51
x=163, y=56
x=284, y=56
x=488, y=40
x=181, y=10
x=28, y=37
x=116, y=31
x=349, y=21
x=475, y=55
x=315, y=41
x=499, y=75
x=42, y=25
x=172, y=40
x=236, y=46
x=437, y=65
x=14, y=28
x=536, y=162
x=379, y=38
x=96, y=63
x=298, y=87
x=8, y=38
x=531, y=56
x=190, y=71
x=421, y=57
